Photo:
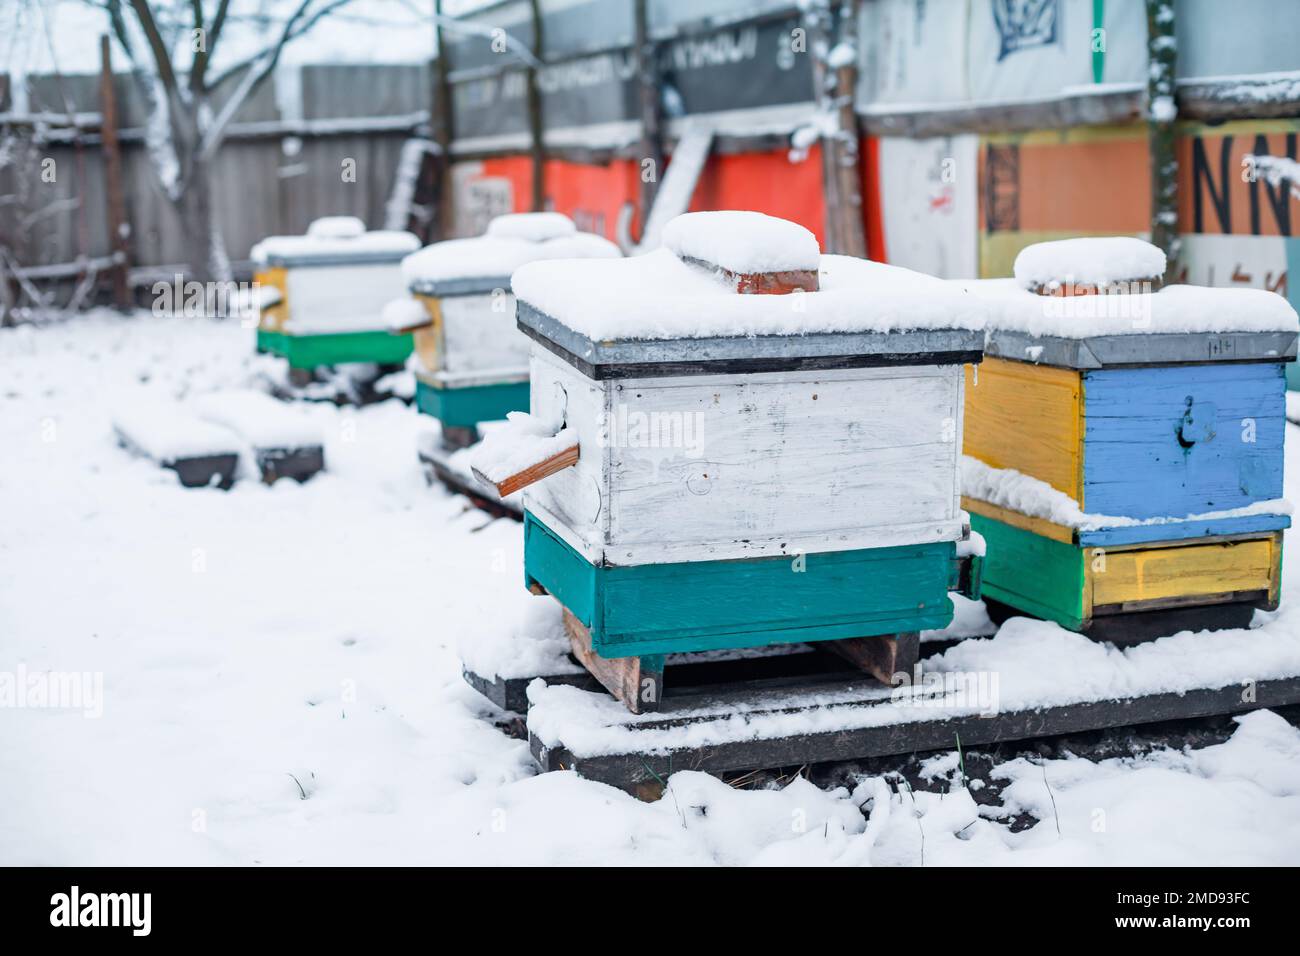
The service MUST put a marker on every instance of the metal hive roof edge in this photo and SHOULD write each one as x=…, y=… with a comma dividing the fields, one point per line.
x=822, y=350
x=371, y=258
x=450, y=288
x=1157, y=348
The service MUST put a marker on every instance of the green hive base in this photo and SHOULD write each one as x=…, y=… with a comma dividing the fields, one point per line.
x=710, y=605
x=466, y=407
x=309, y=351
x=270, y=342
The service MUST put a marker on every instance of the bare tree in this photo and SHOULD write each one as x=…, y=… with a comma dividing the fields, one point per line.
x=171, y=44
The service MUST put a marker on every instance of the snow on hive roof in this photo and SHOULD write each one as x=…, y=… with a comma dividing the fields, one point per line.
x=336, y=227
x=657, y=296
x=743, y=242
x=259, y=418
x=532, y=226
x=336, y=238
x=1174, y=309
x=496, y=257
x=1090, y=261
x=404, y=313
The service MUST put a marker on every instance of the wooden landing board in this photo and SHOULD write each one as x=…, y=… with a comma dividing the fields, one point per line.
x=631, y=771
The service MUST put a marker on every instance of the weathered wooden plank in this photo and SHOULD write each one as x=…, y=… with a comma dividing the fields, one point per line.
x=636, y=681
x=1039, y=526
x=1053, y=590
x=882, y=656
x=1026, y=417
x=1143, y=577
x=722, y=467
x=709, y=605
x=1182, y=440
x=629, y=770
x=566, y=457
x=273, y=316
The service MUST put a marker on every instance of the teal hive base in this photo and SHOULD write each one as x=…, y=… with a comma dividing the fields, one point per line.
x=657, y=609
x=466, y=407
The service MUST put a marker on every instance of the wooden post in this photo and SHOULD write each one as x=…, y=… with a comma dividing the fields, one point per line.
x=1162, y=56
x=652, y=147
x=832, y=24
x=117, y=226
x=535, y=123
x=442, y=134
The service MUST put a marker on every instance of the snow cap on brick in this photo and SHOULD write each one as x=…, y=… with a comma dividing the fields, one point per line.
x=336, y=227
x=1089, y=262
x=746, y=244
x=531, y=226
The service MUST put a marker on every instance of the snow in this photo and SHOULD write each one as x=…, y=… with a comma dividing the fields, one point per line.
x=151, y=424
x=404, y=313
x=330, y=245
x=531, y=226
x=1026, y=665
x=1164, y=109
x=1008, y=488
x=491, y=257
x=1089, y=261
x=1175, y=308
x=657, y=296
x=524, y=442
x=312, y=630
x=743, y=242
x=1276, y=170
x=336, y=227
x=258, y=418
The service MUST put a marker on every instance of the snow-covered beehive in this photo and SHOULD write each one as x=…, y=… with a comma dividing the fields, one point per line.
x=736, y=441
x=322, y=294
x=471, y=363
x=1127, y=443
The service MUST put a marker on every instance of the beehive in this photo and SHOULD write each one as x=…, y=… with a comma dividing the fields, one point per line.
x=330, y=287
x=1127, y=442
x=739, y=470
x=471, y=363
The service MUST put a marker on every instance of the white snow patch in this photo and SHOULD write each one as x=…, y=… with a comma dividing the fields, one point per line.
x=258, y=418
x=489, y=257
x=165, y=433
x=743, y=242
x=1094, y=261
x=524, y=441
x=379, y=241
x=1175, y=308
x=336, y=227
x=657, y=296
x=531, y=226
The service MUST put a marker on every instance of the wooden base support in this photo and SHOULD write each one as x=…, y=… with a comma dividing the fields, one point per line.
x=637, y=681
x=882, y=656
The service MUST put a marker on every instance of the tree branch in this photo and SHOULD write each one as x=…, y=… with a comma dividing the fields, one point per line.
x=162, y=58
x=199, y=68
x=258, y=70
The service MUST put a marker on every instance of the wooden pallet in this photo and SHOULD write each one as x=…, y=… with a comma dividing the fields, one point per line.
x=639, y=681
x=637, y=768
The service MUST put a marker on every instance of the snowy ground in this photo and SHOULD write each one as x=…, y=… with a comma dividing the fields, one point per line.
x=269, y=644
